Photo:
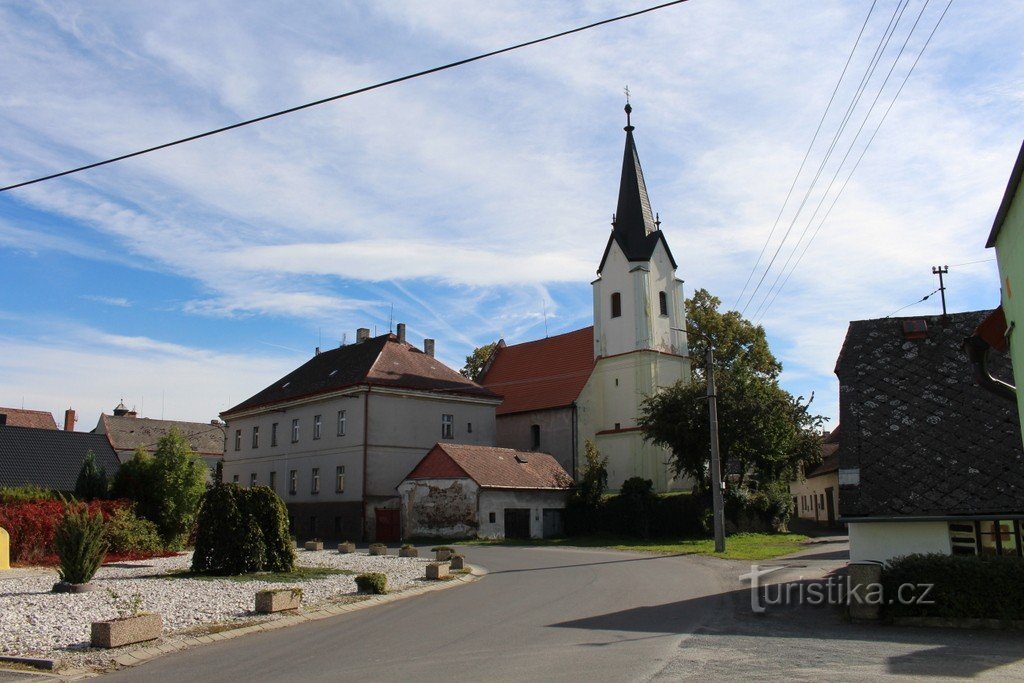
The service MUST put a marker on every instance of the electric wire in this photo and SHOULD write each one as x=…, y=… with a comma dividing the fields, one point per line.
x=350, y=93
x=923, y=298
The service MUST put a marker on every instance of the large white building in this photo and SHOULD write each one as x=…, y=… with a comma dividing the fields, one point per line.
x=588, y=384
x=335, y=437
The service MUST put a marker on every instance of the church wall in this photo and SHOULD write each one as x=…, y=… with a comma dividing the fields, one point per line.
x=514, y=431
x=662, y=279
x=617, y=335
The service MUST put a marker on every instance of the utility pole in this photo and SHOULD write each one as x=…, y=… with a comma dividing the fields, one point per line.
x=717, y=504
x=940, y=271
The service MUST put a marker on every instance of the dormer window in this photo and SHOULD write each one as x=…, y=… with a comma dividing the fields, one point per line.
x=663, y=302
x=616, y=304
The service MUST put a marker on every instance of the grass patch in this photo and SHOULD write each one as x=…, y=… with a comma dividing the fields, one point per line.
x=300, y=574
x=745, y=546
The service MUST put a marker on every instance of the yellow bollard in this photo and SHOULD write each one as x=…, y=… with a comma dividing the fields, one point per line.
x=5, y=549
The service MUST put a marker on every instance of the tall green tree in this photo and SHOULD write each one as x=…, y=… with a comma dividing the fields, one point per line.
x=764, y=432
x=179, y=480
x=134, y=481
x=476, y=361
x=92, y=480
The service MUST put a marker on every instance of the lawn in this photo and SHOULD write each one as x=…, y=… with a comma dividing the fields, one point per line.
x=745, y=546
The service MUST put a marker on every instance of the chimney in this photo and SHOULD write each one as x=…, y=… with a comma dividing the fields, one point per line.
x=401, y=332
x=69, y=420
x=362, y=334
x=428, y=347
x=317, y=351
x=3, y=419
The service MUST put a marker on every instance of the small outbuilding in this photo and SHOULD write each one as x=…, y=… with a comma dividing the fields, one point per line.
x=462, y=491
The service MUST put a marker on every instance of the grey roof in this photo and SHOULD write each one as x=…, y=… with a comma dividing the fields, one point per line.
x=635, y=229
x=1011, y=190
x=50, y=458
x=128, y=433
x=923, y=437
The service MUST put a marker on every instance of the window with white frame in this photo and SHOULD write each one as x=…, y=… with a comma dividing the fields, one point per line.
x=273, y=434
x=339, y=479
x=252, y=480
x=316, y=480
x=234, y=479
x=317, y=422
x=293, y=481
x=341, y=423
x=273, y=481
x=238, y=439
x=295, y=430
x=447, y=426
x=256, y=436
x=987, y=537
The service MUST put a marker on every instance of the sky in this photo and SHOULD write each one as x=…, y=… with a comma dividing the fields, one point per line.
x=472, y=204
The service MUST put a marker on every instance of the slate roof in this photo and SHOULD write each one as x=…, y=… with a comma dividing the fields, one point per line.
x=1011, y=191
x=542, y=374
x=492, y=467
x=635, y=229
x=128, y=433
x=50, y=458
x=924, y=438
x=37, y=419
x=380, y=361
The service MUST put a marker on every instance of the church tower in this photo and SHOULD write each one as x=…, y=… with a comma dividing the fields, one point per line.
x=640, y=341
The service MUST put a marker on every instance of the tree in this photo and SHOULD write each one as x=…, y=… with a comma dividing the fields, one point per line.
x=134, y=481
x=178, y=480
x=92, y=480
x=585, y=501
x=764, y=432
x=476, y=361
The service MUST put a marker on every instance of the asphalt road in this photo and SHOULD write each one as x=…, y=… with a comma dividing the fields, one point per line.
x=541, y=614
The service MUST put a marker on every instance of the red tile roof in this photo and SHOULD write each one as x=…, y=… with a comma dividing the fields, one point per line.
x=542, y=374
x=36, y=419
x=492, y=467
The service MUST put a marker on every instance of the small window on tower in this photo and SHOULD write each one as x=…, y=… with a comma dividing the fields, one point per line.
x=663, y=302
x=534, y=437
x=616, y=305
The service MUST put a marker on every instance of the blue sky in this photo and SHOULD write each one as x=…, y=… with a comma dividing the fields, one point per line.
x=470, y=201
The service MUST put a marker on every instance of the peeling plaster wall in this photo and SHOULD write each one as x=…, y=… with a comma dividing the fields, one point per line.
x=439, y=507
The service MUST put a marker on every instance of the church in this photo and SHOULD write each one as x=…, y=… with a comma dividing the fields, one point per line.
x=588, y=384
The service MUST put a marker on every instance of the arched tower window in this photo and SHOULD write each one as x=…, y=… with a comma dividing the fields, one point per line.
x=663, y=302
x=616, y=305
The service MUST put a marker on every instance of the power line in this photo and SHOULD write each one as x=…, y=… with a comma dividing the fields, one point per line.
x=971, y=263
x=923, y=298
x=842, y=162
x=883, y=43
x=350, y=93
x=861, y=157
x=814, y=139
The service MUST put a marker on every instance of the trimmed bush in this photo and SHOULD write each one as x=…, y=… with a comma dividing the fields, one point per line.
x=126, y=533
x=373, y=582
x=965, y=587
x=80, y=544
x=25, y=494
x=241, y=531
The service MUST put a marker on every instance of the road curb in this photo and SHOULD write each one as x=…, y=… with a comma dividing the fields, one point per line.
x=175, y=644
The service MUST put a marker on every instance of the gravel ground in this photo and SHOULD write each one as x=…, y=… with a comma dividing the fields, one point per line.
x=37, y=622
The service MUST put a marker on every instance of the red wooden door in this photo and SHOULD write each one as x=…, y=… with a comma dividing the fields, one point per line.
x=388, y=525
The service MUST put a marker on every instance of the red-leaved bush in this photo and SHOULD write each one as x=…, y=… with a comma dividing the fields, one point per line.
x=32, y=525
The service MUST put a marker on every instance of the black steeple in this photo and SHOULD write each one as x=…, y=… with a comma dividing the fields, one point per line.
x=634, y=227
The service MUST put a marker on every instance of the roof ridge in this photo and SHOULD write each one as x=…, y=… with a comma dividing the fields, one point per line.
x=553, y=336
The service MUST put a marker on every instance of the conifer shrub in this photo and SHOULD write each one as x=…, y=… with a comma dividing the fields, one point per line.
x=80, y=543
x=372, y=582
x=92, y=480
x=241, y=531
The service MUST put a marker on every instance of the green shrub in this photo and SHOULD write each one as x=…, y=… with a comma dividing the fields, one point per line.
x=179, y=480
x=92, y=480
x=639, y=501
x=80, y=544
x=985, y=587
x=126, y=533
x=25, y=494
x=134, y=481
x=241, y=531
x=373, y=582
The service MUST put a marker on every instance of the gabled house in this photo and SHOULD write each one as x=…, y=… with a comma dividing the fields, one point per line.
x=460, y=491
x=929, y=461
x=816, y=492
x=637, y=345
x=126, y=432
x=50, y=458
x=335, y=436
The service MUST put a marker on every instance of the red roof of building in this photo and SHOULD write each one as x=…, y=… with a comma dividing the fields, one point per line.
x=36, y=419
x=492, y=467
x=542, y=374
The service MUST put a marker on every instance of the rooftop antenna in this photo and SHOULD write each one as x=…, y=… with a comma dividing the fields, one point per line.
x=391, y=318
x=544, y=303
x=940, y=271
x=162, y=392
x=319, y=337
x=344, y=338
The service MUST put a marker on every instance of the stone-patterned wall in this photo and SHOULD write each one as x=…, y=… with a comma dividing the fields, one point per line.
x=445, y=508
